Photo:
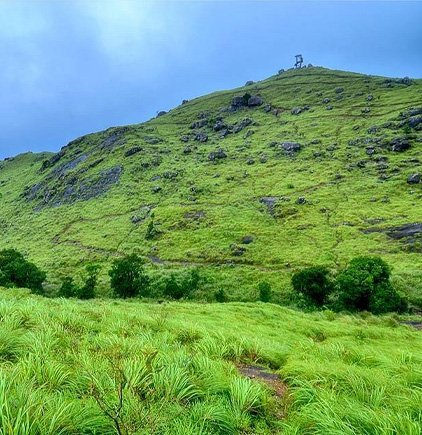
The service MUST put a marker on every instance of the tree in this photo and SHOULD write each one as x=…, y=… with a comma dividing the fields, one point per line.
x=314, y=284
x=172, y=288
x=365, y=285
x=128, y=277
x=15, y=270
x=87, y=291
x=68, y=288
x=264, y=289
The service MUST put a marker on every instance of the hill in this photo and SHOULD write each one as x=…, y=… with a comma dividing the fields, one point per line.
x=310, y=166
x=125, y=367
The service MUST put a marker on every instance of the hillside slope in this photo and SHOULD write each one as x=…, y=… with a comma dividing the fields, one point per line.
x=313, y=168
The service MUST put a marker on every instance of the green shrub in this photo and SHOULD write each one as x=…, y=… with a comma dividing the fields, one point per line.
x=16, y=271
x=314, y=284
x=182, y=285
x=220, y=296
x=265, y=291
x=68, y=288
x=365, y=285
x=152, y=231
x=87, y=291
x=128, y=277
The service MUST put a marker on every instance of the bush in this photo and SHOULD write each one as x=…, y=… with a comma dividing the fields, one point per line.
x=220, y=296
x=182, y=286
x=16, y=271
x=365, y=285
x=314, y=284
x=265, y=292
x=128, y=277
x=87, y=291
x=68, y=288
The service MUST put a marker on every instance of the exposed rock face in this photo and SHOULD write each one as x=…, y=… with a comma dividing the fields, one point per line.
x=114, y=138
x=69, y=189
x=409, y=233
x=414, y=178
x=199, y=124
x=270, y=202
x=241, y=125
x=132, y=151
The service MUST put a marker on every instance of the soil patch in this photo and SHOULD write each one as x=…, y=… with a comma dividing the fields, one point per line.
x=262, y=374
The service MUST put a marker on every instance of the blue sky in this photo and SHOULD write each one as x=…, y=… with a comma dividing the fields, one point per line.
x=72, y=67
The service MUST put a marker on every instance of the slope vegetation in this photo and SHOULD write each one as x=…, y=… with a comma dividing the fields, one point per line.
x=310, y=166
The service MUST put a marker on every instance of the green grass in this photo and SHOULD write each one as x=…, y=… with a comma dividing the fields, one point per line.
x=106, y=367
x=326, y=230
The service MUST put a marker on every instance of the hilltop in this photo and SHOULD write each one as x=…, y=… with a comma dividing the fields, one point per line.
x=310, y=166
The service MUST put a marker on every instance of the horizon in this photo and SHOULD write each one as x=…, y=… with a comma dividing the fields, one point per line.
x=110, y=66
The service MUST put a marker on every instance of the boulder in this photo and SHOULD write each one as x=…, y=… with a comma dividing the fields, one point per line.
x=184, y=138
x=400, y=144
x=329, y=107
x=290, y=147
x=326, y=100
x=339, y=90
x=249, y=83
x=161, y=113
x=370, y=97
x=217, y=155
x=246, y=240
x=201, y=136
x=219, y=125
x=254, y=101
x=301, y=200
x=296, y=111
x=414, y=178
x=199, y=124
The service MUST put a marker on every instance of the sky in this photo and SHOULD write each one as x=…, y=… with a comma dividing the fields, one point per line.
x=72, y=67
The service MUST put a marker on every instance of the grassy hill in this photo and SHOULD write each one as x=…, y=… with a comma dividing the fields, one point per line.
x=316, y=174
x=124, y=367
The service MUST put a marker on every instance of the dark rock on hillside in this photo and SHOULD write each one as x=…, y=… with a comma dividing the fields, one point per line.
x=366, y=110
x=161, y=113
x=339, y=90
x=114, y=137
x=370, y=97
x=184, y=138
x=409, y=233
x=246, y=240
x=296, y=111
x=400, y=144
x=290, y=148
x=414, y=121
x=270, y=202
x=326, y=100
x=152, y=140
x=156, y=189
x=52, y=160
x=239, y=126
x=249, y=83
x=219, y=125
x=414, y=178
x=217, y=155
x=70, y=189
x=170, y=175
x=238, y=102
x=301, y=200
x=254, y=101
x=412, y=112
x=194, y=215
x=199, y=124
x=187, y=150
x=201, y=136
x=267, y=108
x=132, y=151
x=329, y=107
x=63, y=169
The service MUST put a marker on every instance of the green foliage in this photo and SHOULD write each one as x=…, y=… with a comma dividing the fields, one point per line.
x=220, y=295
x=152, y=231
x=128, y=277
x=15, y=270
x=104, y=366
x=68, y=288
x=365, y=285
x=178, y=286
x=265, y=291
x=87, y=291
x=314, y=284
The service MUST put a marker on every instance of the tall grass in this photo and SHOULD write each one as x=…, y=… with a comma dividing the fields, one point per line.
x=107, y=367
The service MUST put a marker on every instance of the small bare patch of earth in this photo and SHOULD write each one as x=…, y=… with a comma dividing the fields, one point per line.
x=262, y=374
